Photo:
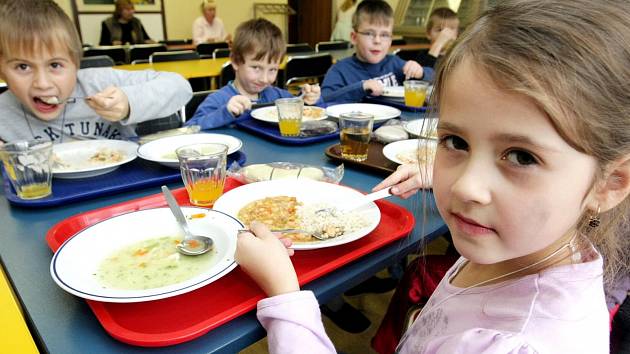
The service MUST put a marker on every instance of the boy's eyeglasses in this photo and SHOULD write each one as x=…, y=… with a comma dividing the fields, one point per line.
x=373, y=35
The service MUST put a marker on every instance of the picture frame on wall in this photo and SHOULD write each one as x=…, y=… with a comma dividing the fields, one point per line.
x=108, y=5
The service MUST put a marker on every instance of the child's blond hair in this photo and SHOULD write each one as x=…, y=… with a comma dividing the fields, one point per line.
x=259, y=37
x=29, y=26
x=439, y=15
x=373, y=12
x=571, y=58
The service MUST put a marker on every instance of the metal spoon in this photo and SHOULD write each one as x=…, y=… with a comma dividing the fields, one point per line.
x=191, y=245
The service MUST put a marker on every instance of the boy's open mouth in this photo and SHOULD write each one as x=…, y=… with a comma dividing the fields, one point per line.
x=46, y=104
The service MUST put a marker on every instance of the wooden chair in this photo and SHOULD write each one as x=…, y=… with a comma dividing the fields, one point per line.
x=306, y=68
x=116, y=52
x=299, y=48
x=160, y=57
x=334, y=45
x=144, y=51
x=98, y=61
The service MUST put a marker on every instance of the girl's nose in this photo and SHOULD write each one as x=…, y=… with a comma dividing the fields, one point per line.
x=473, y=184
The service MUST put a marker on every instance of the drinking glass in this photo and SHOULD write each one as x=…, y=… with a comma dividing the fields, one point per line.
x=415, y=92
x=290, y=115
x=355, y=128
x=28, y=165
x=203, y=171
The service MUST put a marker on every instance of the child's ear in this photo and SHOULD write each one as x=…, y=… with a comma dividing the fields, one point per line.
x=615, y=187
x=353, y=38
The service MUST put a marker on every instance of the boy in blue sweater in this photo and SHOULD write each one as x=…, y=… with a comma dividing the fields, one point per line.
x=371, y=68
x=257, y=51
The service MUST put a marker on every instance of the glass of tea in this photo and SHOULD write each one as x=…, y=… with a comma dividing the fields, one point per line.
x=415, y=92
x=203, y=171
x=289, y=115
x=355, y=128
x=28, y=163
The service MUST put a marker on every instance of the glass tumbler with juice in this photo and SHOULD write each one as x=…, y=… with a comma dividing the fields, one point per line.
x=290, y=115
x=355, y=128
x=203, y=171
x=28, y=164
x=415, y=92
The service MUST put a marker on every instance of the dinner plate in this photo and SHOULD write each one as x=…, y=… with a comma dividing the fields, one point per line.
x=406, y=151
x=380, y=112
x=75, y=263
x=77, y=159
x=307, y=192
x=394, y=91
x=270, y=114
x=425, y=128
x=162, y=150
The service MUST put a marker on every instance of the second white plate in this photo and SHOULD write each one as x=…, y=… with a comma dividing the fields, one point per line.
x=80, y=159
x=408, y=151
x=270, y=114
x=380, y=112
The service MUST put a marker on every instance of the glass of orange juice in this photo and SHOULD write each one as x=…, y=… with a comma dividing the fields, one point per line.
x=415, y=92
x=290, y=115
x=28, y=164
x=203, y=171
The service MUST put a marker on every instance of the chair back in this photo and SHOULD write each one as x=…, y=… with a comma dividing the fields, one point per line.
x=408, y=54
x=307, y=66
x=98, y=61
x=299, y=48
x=144, y=51
x=221, y=53
x=398, y=41
x=191, y=107
x=155, y=125
x=227, y=74
x=176, y=41
x=208, y=48
x=159, y=57
x=332, y=45
x=116, y=52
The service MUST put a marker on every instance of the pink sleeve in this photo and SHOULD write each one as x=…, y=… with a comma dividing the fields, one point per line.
x=481, y=341
x=294, y=324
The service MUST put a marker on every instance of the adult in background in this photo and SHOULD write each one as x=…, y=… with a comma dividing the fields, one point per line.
x=209, y=28
x=343, y=25
x=122, y=27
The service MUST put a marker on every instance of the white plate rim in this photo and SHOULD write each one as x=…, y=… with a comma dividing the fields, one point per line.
x=333, y=111
x=129, y=148
x=261, y=114
x=409, y=125
x=188, y=139
x=267, y=188
x=393, y=91
x=154, y=294
x=390, y=150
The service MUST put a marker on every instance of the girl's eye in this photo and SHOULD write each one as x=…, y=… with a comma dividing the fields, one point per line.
x=453, y=142
x=519, y=157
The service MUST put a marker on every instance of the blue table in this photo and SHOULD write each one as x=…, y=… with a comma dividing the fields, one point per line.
x=62, y=323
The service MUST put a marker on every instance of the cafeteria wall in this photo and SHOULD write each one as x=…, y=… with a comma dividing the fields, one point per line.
x=180, y=15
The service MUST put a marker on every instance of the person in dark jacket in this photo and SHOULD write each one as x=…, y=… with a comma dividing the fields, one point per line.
x=122, y=27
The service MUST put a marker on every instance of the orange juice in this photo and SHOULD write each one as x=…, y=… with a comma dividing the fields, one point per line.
x=205, y=192
x=34, y=190
x=414, y=97
x=289, y=127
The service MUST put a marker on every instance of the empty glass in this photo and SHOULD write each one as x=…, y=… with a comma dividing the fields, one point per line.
x=203, y=171
x=28, y=165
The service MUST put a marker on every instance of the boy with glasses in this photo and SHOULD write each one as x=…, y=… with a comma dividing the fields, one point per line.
x=370, y=69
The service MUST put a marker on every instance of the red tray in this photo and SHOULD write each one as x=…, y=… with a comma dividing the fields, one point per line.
x=174, y=320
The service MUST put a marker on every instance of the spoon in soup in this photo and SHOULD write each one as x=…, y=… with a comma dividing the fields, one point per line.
x=191, y=245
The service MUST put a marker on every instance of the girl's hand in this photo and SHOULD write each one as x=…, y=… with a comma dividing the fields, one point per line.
x=407, y=180
x=413, y=70
x=238, y=104
x=311, y=93
x=266, y=259
x=375, y=88
x=111, y=104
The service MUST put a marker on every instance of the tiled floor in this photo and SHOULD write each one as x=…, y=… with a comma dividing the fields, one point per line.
x=372, y=305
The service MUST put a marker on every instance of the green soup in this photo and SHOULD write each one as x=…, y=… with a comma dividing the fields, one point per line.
x=151, y=264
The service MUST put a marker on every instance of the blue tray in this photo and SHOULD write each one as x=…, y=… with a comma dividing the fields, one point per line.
x=136, y=174
x=393, y=102
x=271, y=131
